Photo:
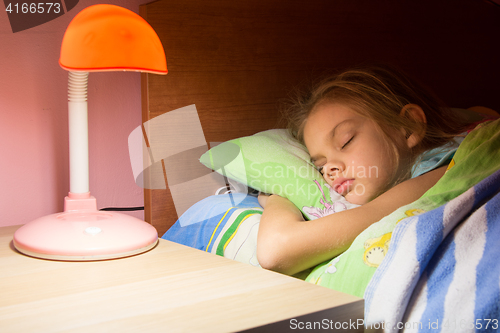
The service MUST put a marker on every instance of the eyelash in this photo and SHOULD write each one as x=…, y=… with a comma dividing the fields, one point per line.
x=349, y=141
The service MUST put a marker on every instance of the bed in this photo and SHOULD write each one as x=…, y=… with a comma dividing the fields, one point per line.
x=231, y=64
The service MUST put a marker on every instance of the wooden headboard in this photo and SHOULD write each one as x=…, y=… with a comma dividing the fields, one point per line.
x=236, y=60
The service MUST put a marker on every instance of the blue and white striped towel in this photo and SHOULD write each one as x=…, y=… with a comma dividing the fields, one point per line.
x=442, y=271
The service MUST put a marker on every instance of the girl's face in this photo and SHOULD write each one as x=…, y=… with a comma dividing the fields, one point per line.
x=350, y=151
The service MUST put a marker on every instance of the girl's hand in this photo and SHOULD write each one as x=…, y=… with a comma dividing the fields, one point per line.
x=263, y=199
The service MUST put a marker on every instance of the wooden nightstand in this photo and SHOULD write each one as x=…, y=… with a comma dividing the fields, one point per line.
x=168, y=289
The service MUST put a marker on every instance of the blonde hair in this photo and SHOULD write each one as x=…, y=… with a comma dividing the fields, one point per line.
x=380, y=94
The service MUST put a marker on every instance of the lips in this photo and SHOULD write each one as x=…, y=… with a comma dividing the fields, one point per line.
x=341, y=185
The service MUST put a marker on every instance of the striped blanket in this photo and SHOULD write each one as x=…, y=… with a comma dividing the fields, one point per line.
x=214, y=225
x=235, y=235
x=443, y=271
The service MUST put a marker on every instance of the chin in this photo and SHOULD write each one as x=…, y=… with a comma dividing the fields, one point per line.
x=356, y=199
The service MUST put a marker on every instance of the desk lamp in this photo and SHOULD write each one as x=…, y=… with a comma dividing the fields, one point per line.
x=99, y=38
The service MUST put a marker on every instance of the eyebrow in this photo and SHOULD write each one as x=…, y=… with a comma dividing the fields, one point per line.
x=332, y=135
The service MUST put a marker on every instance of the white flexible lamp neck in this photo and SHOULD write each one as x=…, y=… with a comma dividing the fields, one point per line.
x=78, y=132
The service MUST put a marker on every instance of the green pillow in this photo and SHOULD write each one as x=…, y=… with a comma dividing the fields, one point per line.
x=274, y=162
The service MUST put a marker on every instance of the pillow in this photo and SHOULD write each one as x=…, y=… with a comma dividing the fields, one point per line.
x=274, y=162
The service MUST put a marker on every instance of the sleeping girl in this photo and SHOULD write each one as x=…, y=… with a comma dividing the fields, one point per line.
x=368, y=131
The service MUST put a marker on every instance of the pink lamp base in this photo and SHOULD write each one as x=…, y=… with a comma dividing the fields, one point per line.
x=82, y=233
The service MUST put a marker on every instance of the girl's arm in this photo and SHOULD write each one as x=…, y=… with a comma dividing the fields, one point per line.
x=288, y=244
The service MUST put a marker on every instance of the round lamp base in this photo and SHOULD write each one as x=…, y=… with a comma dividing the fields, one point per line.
x=85, y=236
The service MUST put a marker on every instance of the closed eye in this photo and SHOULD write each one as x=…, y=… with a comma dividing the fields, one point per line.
x=349, y=141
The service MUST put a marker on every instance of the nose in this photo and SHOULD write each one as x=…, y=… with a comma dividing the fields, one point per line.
x=332, y=169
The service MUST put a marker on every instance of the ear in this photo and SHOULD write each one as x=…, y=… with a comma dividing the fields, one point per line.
x=415, y=113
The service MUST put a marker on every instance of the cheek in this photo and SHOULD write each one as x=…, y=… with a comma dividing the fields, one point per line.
x=363, y=167
x=374, y=163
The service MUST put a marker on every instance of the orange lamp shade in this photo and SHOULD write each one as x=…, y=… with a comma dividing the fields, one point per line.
x=110, y=38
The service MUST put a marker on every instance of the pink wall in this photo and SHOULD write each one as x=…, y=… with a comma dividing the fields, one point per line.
x=33, y=124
